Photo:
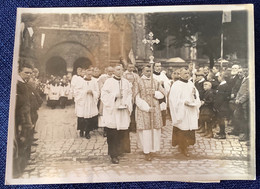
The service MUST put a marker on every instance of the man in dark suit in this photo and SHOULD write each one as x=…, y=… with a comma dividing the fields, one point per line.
x=241, y=112
x=221, y=106
x=23, y=122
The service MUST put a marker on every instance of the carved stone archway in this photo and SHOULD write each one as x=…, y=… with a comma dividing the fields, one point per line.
x=70, y=51
x=56, y=66
x=79, y=61
x=72, y=44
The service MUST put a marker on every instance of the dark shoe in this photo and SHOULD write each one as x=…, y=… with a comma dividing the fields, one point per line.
x=220, y=137
x=87, y=136
x=233, y=133
x=210, y=135
x=115, y=160
x=186, y=153
x=29, y=169
x=81, y=133
x=243, y=137
x=30, y=162
x=148, y=157
x=35, y=139
x=201, y=130
x=204, y=134
x=35, y=144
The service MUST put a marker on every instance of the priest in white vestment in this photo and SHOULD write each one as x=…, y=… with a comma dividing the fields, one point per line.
x=184, y=104
x=54, y=94
x=77, y=85
x=148, y=113
x=116, y=96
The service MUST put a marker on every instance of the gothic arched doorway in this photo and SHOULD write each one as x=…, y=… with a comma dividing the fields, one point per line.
x=80, y=61
x=56, y=66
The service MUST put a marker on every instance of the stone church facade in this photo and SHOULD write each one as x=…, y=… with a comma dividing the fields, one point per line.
x=56, y=43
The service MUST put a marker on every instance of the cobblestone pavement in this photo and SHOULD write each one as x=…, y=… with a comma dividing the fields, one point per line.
x=61, y=154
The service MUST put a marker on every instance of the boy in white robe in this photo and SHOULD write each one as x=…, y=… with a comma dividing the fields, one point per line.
x=116, y=96
x=54, y=94
x=77, y=85
x=64, y=92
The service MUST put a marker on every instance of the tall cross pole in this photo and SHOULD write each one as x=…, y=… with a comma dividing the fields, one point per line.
x=150, y=41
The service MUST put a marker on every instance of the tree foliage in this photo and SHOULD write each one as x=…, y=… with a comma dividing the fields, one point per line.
x=206, y=25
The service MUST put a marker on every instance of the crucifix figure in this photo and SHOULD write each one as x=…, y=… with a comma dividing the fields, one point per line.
x=150, y=41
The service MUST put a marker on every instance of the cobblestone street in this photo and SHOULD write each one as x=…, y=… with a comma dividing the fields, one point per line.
x=62, y=156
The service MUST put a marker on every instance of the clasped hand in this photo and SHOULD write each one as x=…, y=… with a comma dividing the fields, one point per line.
x=118, y=95
x=187, y=103
x=90, y=92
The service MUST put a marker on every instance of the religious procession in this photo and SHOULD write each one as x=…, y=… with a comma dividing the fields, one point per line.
x=123, y=101
x=126, y=97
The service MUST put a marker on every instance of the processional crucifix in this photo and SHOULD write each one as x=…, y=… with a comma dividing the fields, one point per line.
x=150, y=41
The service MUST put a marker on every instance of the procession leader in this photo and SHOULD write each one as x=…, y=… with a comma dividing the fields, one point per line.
x=184, y=104
x=148, y=113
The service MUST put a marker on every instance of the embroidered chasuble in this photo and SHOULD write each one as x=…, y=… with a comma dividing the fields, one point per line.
x=143, y=102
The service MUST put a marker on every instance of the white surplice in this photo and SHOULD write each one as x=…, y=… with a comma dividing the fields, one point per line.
x=101, y=80
x=91, y=100
x=184, y=117
x=54, y=92
x=115, y=118
x=77, y=86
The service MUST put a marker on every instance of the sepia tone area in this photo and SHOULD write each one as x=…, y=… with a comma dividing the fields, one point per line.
x=61, y=41
x=62, y=153
x=132, y=97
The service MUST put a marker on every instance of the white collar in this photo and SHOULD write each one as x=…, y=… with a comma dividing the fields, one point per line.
x=20, y=79
x=144, y=77
x=223, y=82
x=203, y=79
x=128, y=72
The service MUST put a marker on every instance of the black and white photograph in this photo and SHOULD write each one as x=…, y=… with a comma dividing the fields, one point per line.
x=128, y=94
